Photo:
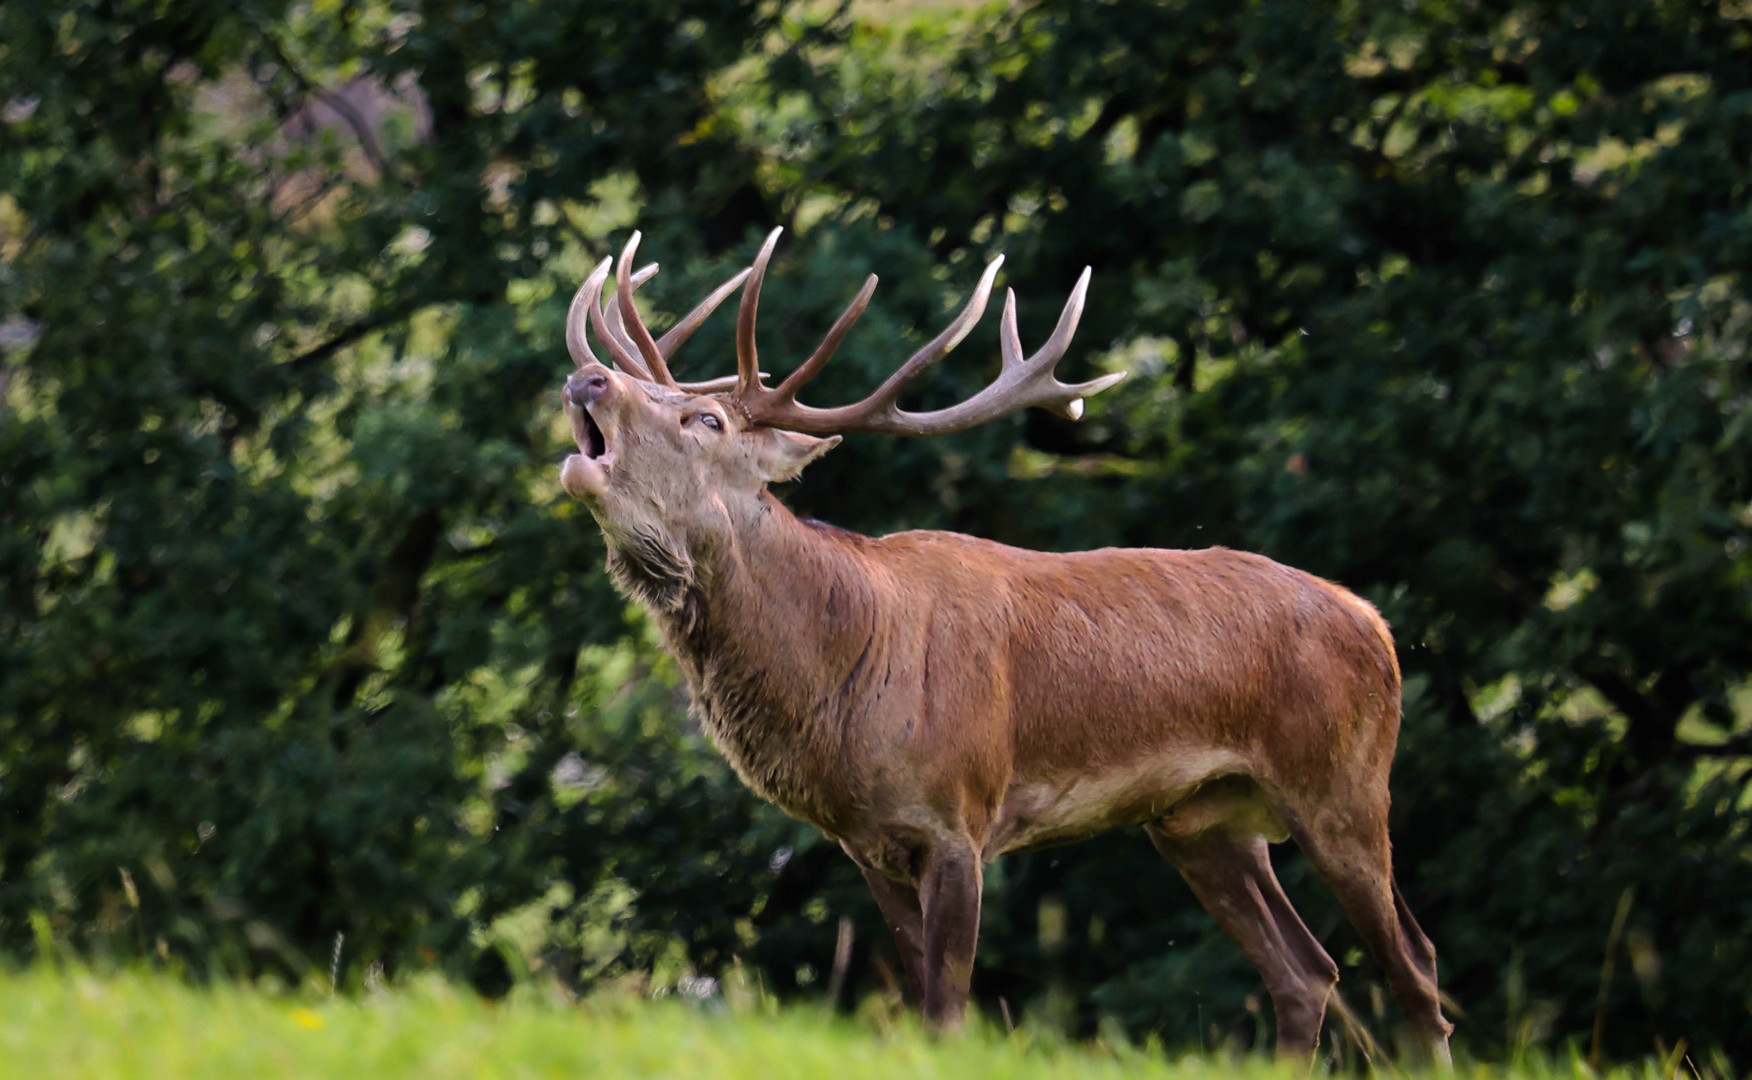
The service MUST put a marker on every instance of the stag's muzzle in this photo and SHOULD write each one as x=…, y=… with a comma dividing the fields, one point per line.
x=586, y=473
x=584, y=387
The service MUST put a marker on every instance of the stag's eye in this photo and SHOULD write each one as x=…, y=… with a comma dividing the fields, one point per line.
x=708, y=419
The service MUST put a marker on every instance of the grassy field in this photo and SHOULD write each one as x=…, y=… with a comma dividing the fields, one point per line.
x=70, y=1024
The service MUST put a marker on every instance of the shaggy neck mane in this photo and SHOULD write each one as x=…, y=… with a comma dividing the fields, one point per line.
x=651, y=570
x=773, y=622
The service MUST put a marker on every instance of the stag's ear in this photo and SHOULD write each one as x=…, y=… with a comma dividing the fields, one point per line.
x=784, y=454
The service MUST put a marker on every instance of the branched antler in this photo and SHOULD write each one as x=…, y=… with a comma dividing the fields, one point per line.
x=1021, y=383
x=622, y=331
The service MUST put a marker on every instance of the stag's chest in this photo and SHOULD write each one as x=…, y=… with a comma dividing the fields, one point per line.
x=771, y=729
x=783, y=753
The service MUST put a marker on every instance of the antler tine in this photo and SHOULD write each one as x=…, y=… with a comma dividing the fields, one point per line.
x=883, y=399
x=723, y=384
x=681, y=331
x=640, y=333
x=611, y=324
x=1021, y=383
x=747, y=358
x=1060, y=340
x=616, y=325
x=1009, y=338
x=842, y=326
x=582, y=302
x=622, y=355
x=1031, y=380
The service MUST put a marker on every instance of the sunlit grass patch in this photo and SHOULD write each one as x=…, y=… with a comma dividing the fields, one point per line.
x=69, y=1024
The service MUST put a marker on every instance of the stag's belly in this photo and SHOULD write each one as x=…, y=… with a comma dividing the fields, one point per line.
x=1184, y=792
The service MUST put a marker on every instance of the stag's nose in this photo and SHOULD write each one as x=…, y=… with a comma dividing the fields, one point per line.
x=586, y=385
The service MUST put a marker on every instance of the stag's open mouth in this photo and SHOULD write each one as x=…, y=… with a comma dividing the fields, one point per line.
x=591, y=440
x=585, y=474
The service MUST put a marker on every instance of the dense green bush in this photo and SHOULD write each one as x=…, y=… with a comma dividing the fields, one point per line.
x=303, y=656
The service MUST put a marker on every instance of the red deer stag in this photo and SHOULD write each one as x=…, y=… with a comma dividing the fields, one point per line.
x=932, y=701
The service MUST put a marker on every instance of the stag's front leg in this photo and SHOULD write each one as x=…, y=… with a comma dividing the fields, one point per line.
x=949, y=895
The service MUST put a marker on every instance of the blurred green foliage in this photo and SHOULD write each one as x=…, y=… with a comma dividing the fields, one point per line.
x=305, y=660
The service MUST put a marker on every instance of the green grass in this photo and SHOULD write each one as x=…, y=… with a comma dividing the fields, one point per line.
x=70, y=1023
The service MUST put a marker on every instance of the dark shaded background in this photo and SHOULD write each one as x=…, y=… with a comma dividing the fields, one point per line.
x=303, y=654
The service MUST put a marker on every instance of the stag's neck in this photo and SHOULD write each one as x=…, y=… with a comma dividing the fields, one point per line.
x=774, y=621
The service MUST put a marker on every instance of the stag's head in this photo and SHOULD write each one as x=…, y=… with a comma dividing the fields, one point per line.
x=660, y=462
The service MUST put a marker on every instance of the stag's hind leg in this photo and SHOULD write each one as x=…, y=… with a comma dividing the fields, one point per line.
x=1352, y=852
x=899, y=904
x=1230, y=872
